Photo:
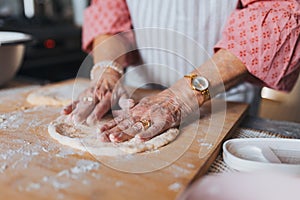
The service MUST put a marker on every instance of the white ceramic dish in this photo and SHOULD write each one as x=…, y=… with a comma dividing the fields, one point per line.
x=263, y=154
x=12, y=48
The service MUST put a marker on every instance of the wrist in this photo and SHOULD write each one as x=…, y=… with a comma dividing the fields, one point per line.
x=186, y=100
x=106, y=65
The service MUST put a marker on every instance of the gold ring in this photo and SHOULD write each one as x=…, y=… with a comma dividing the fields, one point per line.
x=90, y=99
x=146, y=123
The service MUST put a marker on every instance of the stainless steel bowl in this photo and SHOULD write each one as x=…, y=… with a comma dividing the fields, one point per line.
x=12, y=48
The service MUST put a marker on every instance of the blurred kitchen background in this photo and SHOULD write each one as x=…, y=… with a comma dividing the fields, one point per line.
x=55, y=53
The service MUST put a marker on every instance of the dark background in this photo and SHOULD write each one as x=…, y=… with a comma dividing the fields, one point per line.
x=55, y=53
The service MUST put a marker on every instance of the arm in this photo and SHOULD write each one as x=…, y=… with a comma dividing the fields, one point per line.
x=109, y=47
x=166, y=109
x=262, y=38
x=223, y=70
x=103, y=20
x=264, y=35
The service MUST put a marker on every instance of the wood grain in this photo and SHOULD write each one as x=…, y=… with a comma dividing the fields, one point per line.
x=33, y=165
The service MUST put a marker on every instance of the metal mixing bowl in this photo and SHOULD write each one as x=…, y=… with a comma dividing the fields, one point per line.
x=12, y=48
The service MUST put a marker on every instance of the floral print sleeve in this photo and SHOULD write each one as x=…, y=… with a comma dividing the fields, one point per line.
x=104, y=17
x=264, y=35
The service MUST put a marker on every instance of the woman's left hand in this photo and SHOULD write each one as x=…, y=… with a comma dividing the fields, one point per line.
x=150, y=117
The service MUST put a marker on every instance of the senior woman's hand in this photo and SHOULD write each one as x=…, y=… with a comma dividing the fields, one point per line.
x=97, y=100
x=150, y=117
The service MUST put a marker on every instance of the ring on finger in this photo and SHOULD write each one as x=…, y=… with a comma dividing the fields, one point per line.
x=146, y=123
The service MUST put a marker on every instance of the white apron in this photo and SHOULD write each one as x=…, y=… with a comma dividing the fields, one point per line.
x=183, y=36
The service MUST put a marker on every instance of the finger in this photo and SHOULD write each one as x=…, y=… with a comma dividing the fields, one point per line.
x=153, y=130
x=117, y=113
x=119, y=94
x=119, y=137
x=103, y=89
x=112, y=123
x=69, y=108
x=126, y=103
x=84, y=108
x=81, y=112
x=117, y=134
x=103, y=137
x=100, y=110
x=135, y=129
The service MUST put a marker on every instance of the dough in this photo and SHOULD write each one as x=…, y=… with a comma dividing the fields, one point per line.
x=58, y=94
x=84, y=138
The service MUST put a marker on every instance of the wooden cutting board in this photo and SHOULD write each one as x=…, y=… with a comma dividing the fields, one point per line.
x=33, y=165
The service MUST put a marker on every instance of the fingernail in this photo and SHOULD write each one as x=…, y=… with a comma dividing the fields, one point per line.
x=112, y=138
x=138, y=137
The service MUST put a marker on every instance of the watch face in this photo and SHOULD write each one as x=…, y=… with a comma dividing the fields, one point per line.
x=200, y=83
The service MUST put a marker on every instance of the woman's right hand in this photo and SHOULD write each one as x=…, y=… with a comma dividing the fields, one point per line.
x=93, y=103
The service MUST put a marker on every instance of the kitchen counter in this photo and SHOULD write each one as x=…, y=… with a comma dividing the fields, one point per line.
x=35, y=166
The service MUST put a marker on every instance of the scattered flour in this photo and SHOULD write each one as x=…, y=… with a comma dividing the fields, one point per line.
x=175, y=187
x=202, y=143
x=33, y=186
x=84, y=166
x=191, y=166
x=119, y=183
x=3, y=167
x=64, y=152
x=14, y=120
x=62, y=179
x=178, y=171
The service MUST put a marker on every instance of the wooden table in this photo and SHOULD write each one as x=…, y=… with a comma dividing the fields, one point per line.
x=33, y=165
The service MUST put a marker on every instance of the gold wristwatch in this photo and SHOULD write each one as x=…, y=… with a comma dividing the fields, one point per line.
x=200, y=84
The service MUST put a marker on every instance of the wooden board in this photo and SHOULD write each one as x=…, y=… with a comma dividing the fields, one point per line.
x=33, y=165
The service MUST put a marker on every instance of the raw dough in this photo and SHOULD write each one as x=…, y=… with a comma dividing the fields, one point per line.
x=57, y=95
x=85, y=138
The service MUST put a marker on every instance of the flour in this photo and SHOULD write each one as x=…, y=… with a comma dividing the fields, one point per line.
x=63, y=179
x=33, y=186
x=3, y=167
x=14, y=97
x=202, y=143
x=83, y=166
x=65, y=152
x=191, y=166
x=14, y=120
x=179, y=171
x=175, y=187
x=119, y=183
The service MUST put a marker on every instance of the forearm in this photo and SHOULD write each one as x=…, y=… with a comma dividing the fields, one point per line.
x=223, y=71
x=110, y=47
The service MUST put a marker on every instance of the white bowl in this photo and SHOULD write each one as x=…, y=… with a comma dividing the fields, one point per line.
x=12, y=48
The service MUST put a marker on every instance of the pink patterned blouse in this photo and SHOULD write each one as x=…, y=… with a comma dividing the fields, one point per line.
x=264, y=35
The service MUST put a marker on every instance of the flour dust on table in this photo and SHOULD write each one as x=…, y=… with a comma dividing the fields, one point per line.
x=57, y=95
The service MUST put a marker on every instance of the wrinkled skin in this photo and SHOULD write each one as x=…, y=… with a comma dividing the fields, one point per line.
x=163, y=110
x=105, y=92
